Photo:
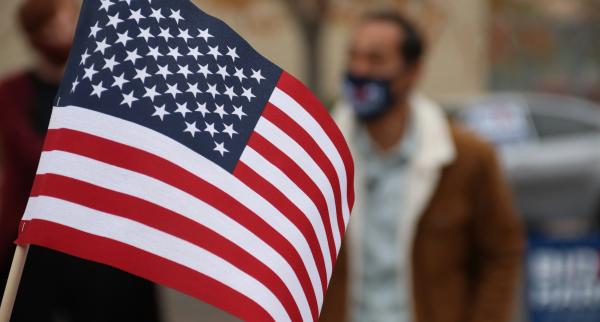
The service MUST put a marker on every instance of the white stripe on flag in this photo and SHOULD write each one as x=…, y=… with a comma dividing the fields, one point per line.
x=154, y=191
x=295, y=152
x=283, y=183
x=156, y=242
x=296, y=112
x=134, y=135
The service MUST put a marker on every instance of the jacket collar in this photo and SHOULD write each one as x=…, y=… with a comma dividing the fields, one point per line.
x=435, y=147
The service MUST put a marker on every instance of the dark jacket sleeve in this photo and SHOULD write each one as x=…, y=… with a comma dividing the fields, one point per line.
x=498, y=243
x=20, y=148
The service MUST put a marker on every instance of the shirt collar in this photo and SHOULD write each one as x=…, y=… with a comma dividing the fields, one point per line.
x=401, y=152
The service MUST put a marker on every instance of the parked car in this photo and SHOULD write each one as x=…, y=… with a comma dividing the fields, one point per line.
x=550, y=149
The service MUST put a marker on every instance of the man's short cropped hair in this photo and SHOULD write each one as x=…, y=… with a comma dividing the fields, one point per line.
x=412, y=46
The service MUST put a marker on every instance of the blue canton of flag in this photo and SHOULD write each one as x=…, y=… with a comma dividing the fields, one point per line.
x=169, y=66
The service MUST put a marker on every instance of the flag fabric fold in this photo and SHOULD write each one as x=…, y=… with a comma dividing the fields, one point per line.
x=178, y=153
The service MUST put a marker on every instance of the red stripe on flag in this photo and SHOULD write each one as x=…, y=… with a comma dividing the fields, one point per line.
x=162, y=219
x=298, y=134
x=300, y=178
x=151, y=165
x=298, y=91
x=279, y=200
x=143, y=264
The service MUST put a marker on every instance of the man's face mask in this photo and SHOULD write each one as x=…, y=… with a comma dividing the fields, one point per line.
x=369, y=98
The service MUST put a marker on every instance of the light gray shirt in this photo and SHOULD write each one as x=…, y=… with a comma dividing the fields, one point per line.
x=384, y=294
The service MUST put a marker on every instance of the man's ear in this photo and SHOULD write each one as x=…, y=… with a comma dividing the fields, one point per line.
x=408, y=79
x=413, y=74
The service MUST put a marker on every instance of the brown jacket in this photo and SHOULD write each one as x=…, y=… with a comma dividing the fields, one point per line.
x=466, y=248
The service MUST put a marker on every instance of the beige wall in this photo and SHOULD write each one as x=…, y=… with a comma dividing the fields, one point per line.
x=14, y=53
x=456, y=65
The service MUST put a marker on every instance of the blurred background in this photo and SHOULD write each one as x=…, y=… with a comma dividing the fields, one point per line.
x=524, y=74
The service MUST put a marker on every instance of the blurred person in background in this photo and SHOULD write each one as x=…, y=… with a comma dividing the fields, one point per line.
x=434, y=236
x=54, y=285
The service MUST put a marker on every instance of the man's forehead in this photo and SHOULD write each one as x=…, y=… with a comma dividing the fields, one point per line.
x=377, y=34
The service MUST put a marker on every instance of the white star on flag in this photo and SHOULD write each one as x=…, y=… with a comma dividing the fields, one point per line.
x=229, y=130
x=193, y=89
x=151, y=92
x=182, y=109
x=105, y=5
x=128, y=99
x=164, y=71
x=194, y=52
x=74, y=85
x=94, y=30
x=220, y=147
x=184, y=70
x=212, y=90
x=136, y=15
x=184, y=34
x=141, y=74
x=223, y=71
x=256, y=74
x=132, y=56
x=156, y=14
x=161, y=112
x=101, y=46
x=238, y=111
x=248, y=93
x=165, y=34
x=230, y=92
x=114, y=21
x=204, y=34
x=110, y=63
x=202, y=109
x=210, y=128
x=173, y=90
x=239, y=73
x=214, y=51
x=220, y=110
x=145, y=33
x=123, y=38
x=204, y=70
x=120, y=81
x=191, y=128
x=176, y=15
x=98, y=89
x=174, y=53
x=84, y=57
x=155, y=52
x=90, y=72
x=232, y=52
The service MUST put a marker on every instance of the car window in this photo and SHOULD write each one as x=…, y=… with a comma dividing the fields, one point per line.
x=549, y=126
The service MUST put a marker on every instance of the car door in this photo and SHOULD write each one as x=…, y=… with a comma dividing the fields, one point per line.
x=555, y=176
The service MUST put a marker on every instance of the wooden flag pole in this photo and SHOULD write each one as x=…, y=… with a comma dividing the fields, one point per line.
x=12, y=285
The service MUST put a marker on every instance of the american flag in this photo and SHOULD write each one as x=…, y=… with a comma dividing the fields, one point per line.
x=177, y=153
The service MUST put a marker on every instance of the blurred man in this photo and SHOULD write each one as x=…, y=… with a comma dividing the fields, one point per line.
x=53, y=285
x=433, y=237
x=25, y=107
